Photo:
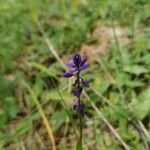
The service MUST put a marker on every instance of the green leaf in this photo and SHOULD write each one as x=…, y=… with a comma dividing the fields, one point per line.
x=54, y=95
x=122, y=115
x=135, y=69
x=58, y=119
x=134, y=84
x=79, y=145
x=142, y=108
x=43, y=69
x=38, y=86
x=103, y=87
x=122, y=78
x=24, y=127
x=2, y=118
x=11, y=107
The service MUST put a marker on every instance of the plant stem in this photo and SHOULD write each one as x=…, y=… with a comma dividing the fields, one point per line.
x=80, y=115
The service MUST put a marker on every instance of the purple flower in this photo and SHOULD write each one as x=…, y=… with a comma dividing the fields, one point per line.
x=68, y=74
x=71, y=64
x=76, y=65
x=79, y=107
x=83, y=67
x=85, y=83
x=78, y=91
x=77, y=59
x=83, y=61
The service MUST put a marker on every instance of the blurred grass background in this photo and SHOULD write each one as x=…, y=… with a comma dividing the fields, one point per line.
x=115, y=37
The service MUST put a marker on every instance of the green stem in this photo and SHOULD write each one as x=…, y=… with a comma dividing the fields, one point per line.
x=80, y=115
x=79, y=147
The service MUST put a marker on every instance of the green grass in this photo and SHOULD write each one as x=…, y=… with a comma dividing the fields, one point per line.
x=120, y=80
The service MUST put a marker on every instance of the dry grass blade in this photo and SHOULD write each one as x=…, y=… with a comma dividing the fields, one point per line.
x=50, y=46
x=108, y=124
x=141, y=133
x=104, y=98
x=110, y=127
x=45, y=120
x=144, y=129
x=140, y=124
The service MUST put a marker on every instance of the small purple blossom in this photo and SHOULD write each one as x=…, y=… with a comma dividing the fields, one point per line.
x=85, y=83
x=68, y=74
x=76, y=65
x=78, y=91
x=83, y=61
x=79, y=107
x=77, y=59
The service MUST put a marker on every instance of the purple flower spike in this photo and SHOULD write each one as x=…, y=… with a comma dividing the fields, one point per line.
x=68, y=74
x=76, y=65
x=85, y=83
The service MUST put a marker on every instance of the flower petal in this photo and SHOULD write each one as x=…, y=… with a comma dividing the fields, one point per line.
x=83, y=61
x=70, y=64
x=68, y=74
x=85, y=66
x=76, y=59
x=85, y=83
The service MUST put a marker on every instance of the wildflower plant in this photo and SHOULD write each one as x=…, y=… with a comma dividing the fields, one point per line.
x=76, y=65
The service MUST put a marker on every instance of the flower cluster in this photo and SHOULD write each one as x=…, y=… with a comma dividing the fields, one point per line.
x=76, y=65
